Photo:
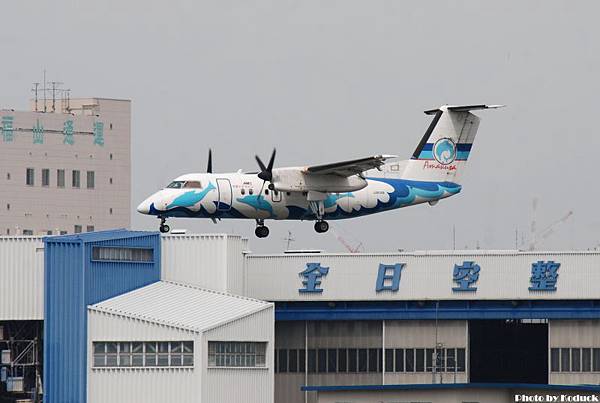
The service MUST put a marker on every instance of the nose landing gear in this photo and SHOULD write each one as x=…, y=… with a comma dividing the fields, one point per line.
x=261, y=230
x=321, y=226
x=164, y=228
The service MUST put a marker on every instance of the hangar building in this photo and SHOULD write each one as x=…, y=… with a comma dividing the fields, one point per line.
x=123, y=315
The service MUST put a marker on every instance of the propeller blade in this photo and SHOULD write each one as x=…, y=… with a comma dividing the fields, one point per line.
x=262, y=166
x=209, y=167
x=272, y=160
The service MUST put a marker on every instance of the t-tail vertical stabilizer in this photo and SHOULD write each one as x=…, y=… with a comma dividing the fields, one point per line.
x=443, y=151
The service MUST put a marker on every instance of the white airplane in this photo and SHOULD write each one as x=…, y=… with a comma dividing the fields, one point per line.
x=332, y=191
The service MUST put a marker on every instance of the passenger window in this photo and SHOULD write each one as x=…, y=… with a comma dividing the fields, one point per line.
x=243, y=191
x=193, y=185
x=251, y=191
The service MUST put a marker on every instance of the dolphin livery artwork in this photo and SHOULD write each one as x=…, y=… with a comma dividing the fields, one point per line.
x=331, y=191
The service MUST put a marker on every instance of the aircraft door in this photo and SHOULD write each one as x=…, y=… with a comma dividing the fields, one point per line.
x=225, y=194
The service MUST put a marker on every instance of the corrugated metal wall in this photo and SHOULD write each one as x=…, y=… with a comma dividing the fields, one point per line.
x=213, y=261
x=352, y=277
x=575, y=334
x=148, y=385
x=72, y=282
x=226, y=385
x=21, y=278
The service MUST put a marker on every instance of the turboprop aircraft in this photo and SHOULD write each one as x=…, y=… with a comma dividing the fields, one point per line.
x=330, y=191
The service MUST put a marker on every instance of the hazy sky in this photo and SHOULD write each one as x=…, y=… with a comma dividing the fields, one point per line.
x=331, y=80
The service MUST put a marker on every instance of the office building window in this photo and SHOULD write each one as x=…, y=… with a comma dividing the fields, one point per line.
x=362, y=360
x=460, y=360
x=77, y=229
x=238, y=354
x=332, y=360
x=60, y=178
x=399, y=362
x=554, y=360
x=389, y=360
x=352, y=360
x=45, y=177
x=90, y=179
x=322, y=360
x=410, y=360
x=342, y=360
x=282, y=365
x=373, y=360
x=110, y=181
x=8, y=176
x=312, y=360
x=90, y=228
x=565, y=359
x=301, y=360
x=27, y=232
x=30, y=177
x=450, y=360
x=8, y=206
x=575, y=359
x=420, y=360
x=429, y=359
x=143, y=354
x=122, y=254
x=63, y=232
x=293, y=360
x=596, y=359
x=76, y=179
x=586, y=359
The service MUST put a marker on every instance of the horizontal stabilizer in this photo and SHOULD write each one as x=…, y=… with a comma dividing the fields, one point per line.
x=463, y=108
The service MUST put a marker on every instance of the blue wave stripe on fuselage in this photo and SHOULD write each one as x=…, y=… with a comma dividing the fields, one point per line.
x=404, y=194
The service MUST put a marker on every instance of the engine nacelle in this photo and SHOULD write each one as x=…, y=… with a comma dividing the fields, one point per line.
x=294, y=180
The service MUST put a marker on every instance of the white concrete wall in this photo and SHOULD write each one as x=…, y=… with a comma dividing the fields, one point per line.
x=148, y=385
x=248, y=385
x=43, y=209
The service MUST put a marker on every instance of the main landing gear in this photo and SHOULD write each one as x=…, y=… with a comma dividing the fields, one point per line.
x=321, y=226
x=164, y=228
x=261, y=230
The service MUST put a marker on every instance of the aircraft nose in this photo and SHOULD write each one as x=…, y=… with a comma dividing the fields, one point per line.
x=144, y=207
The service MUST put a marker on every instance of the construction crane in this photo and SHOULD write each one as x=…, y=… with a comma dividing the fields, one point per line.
x=349, y=247
x=537, y=237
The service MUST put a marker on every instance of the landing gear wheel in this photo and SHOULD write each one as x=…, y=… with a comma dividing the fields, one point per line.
x=261, y=231
x=164, y=228
x=321, y=226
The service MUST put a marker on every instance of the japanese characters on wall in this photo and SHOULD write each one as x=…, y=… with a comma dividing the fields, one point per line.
x=544, y=276
x=38, y=131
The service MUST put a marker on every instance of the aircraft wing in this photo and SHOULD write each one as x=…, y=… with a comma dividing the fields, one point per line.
x=349, y=168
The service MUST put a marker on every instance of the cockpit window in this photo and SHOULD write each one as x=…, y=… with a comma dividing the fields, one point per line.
x=176, y=185
x=193, y=185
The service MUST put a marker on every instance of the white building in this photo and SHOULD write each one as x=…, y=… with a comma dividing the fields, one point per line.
x=66, y=170
x=173, y=342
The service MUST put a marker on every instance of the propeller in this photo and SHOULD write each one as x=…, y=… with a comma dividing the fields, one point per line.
x=266, y=172
x=209, y=167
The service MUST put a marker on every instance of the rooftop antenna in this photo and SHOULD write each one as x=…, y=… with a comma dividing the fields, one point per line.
x=35, y=91
x=55, y=84
x=289, y=240
x=44, y=89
